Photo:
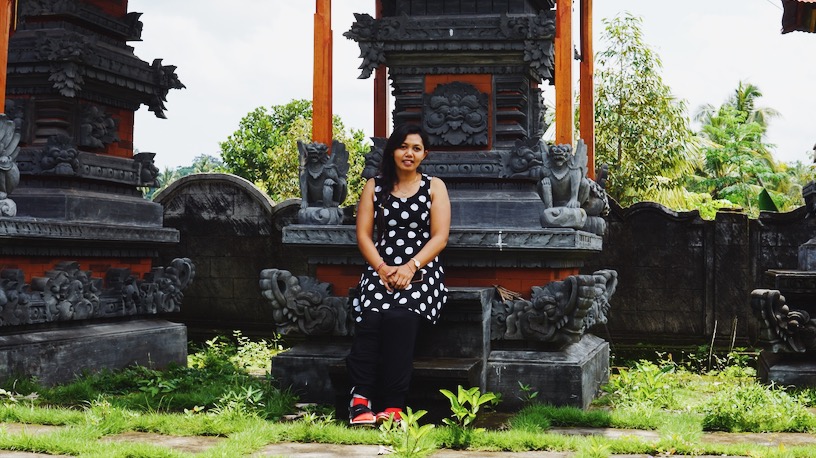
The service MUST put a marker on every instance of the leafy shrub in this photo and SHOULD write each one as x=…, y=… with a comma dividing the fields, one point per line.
x=644, y=383
x=755, y=408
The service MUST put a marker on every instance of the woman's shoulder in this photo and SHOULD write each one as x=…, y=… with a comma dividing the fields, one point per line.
x=435, y=182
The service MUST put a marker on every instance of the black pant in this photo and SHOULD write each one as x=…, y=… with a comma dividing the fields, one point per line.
x=382, y=355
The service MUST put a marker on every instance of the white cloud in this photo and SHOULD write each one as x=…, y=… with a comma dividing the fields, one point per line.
x=238, y=55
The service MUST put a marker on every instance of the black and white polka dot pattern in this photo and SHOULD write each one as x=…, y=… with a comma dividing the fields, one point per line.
x=407, y=228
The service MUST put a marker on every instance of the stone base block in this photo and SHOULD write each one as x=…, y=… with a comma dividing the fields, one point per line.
x=569, y=377
x=305, y=369
x=59, y=354
x=787, y=369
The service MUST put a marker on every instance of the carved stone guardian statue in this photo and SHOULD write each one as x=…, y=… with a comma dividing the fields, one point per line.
x=323, y=183
x=570, y=198
x=9, y=173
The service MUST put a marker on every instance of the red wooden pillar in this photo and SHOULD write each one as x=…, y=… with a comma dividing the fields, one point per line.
x=587, y=89
x=380, y=90
x=563, y=72
x=6, y=22
x=322, y=83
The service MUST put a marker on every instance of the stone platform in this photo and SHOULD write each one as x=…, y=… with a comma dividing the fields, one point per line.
x=457, y=351
x=54, y=355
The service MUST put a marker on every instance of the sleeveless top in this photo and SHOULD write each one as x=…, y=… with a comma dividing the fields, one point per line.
x=406, y=228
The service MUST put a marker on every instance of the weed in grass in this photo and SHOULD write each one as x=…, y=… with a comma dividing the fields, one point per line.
x=465, y=405
x=541, y=416
x=645, y=382
x=755, y=408
x=593, y=447
x=528, y=394
x=405, y=437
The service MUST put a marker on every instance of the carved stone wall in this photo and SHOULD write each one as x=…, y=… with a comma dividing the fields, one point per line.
x=231, y=231
x=680, y=276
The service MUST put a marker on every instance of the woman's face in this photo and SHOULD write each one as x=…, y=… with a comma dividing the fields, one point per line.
x=410, y=154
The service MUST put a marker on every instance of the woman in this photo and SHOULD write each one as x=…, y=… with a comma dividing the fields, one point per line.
x=404, y=282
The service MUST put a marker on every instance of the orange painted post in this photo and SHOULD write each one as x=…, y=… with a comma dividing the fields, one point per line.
x=322, y=83
x=5, y=30
x=587, y=78
x=563, y=72
x=380, y=91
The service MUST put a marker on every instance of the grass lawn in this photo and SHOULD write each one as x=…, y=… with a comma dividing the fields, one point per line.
x=217, y=395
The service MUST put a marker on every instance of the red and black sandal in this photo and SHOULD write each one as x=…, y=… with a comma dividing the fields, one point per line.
x=360, y=412
x=395, y=412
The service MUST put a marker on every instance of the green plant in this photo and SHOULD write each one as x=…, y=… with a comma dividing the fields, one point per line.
x=406, y=437
x=755, y=408
x=244, y=402
x=646, y=382
x=528, y=395
x=466, y=404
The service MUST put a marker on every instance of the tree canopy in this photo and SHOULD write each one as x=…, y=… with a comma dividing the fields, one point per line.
x=643, y=132
x=644, y=136
x=264, y=149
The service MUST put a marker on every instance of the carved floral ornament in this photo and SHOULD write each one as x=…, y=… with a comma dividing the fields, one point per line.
x=782, y=328
x=560, y=312
x=534, y=35
x=68, y=293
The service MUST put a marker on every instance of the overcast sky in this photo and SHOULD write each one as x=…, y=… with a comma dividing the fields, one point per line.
x=238, y=55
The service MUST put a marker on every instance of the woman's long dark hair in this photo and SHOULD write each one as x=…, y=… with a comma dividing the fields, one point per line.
x=388, y=170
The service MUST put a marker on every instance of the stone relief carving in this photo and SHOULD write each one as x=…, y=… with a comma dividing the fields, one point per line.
x=9, y=173
x=97, y=128
x=66, y=53
x=782, y=329
x=570, y=198
x=69, y=293
x=134, y=25
x=42, y=7
x=558, y=313
x=304, y=304
x=456, y=114
x=523, y=160
x=364, y=32
x=534, y=35
x=148, y=172
x=16, y=111
x=374, y=157
x=59, y=156
x=164, y=76
x=323, y=183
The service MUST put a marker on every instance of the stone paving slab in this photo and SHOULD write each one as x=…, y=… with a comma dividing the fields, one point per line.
x=188, y=444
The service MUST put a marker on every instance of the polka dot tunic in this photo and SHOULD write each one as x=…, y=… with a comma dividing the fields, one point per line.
x=406, y=229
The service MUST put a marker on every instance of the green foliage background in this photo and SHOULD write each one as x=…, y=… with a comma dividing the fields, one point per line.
x=264, y=149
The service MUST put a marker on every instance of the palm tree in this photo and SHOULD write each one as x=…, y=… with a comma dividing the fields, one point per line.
x=744, y=99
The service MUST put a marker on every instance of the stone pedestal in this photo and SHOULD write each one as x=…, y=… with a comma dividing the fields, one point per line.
x=787, y=369
x=567, y=377
x=59, y=355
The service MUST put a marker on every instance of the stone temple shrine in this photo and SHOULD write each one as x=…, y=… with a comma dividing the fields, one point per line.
x=525, y=215
x=78, y=288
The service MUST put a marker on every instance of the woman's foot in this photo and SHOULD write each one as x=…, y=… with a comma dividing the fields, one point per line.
x=395, y=412
x=360, y=412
